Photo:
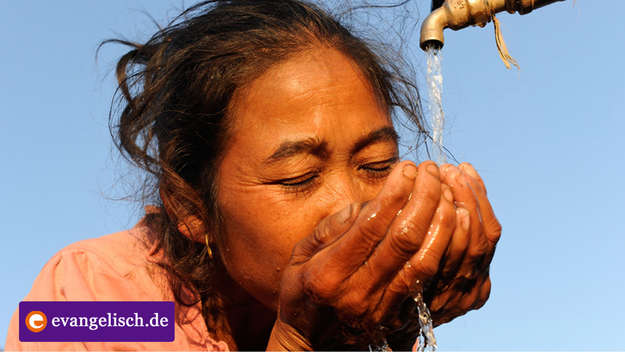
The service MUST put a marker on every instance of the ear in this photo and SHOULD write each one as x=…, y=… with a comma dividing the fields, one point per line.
x=193, y=228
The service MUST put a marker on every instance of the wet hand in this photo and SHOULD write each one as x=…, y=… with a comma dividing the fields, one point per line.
x=463, y=282
x=361, y=264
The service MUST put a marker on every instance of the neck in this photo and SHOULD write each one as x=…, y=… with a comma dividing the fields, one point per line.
x=245, y=323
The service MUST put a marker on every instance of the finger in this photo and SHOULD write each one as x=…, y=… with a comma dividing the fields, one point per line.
x=424, y=264
x=391, y=254
x=459, y=299
x=374, y=219
x=409, y=228
x=484, y=293
x=440, y=300
x=491, y=224
x=465, y=198
x=453, y=292
x=329, y=269
x=458, y=245
x=492, y=227
x=327, y=231
x=473, y=300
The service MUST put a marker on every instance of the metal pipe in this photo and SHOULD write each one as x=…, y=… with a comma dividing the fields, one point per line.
x=458, y=14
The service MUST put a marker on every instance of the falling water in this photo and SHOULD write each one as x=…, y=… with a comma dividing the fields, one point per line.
x=435, y=106
x=426, y=340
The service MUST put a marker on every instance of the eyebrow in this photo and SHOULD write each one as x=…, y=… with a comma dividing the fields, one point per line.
x=319, y=148
x=384, y=134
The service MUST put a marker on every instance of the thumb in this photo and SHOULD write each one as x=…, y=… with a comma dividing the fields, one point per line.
x=327, y=231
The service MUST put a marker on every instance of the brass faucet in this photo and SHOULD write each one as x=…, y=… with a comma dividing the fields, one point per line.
x=458, y=14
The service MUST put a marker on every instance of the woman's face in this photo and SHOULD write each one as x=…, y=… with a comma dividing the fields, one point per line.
x=308, y=138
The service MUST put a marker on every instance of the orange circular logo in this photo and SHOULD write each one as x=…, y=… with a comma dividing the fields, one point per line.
x=36, y=321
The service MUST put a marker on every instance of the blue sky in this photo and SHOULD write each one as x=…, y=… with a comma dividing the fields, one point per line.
x=547, y=140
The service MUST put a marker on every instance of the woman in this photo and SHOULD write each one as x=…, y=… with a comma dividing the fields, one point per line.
x=285, y=219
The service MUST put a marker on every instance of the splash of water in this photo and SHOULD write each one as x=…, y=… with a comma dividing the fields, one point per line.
x=435, y=105
x=426, y=341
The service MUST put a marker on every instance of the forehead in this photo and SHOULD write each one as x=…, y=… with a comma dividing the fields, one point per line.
x=318, y=93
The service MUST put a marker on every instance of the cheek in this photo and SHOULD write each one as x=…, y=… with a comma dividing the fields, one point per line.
x=258, y=235
x=261, y=225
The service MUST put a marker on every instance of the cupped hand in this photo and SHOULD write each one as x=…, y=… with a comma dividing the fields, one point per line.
x=463, y=283
x=360, y=265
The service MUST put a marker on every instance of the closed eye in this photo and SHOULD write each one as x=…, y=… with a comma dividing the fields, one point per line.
x=379, y=169
x=302, y=184
x=298, y=181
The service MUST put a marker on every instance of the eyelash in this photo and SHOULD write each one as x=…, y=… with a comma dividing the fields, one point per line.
x=307, y=181
x=379, y=172
x=304, y=180
x=301, y=184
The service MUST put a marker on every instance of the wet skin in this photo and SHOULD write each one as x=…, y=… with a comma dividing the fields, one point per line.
x=318, y=211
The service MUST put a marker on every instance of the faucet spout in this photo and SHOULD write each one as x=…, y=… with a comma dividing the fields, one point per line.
x=458, y=14
x=432, y=29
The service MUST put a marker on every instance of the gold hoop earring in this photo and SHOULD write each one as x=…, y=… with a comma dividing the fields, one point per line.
x=208, y=247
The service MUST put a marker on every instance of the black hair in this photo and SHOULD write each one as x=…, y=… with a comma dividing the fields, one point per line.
x=175, y=92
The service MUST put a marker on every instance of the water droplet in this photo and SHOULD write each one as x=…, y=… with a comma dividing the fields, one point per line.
x=426, y=339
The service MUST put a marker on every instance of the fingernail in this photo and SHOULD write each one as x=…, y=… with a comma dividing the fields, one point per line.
x=346, y=214
x=433, y=170
x=464, y=218
x=468, y=168
x=453, y=173
x=444, y=168
x=447, y=194
x=410, y=171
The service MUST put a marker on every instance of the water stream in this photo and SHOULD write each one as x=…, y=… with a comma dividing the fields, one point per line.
x=435, y=103
x=426, y=341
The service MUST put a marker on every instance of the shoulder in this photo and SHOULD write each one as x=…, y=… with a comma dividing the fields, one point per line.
x=113, y=267
x=116, y=267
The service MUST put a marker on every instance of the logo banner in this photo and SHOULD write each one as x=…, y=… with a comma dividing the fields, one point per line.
x=96, y=321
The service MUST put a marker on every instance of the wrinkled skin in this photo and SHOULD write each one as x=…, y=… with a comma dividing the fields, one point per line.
x=325, y=226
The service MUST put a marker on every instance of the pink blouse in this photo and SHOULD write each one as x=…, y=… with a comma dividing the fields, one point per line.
x=113, y=268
